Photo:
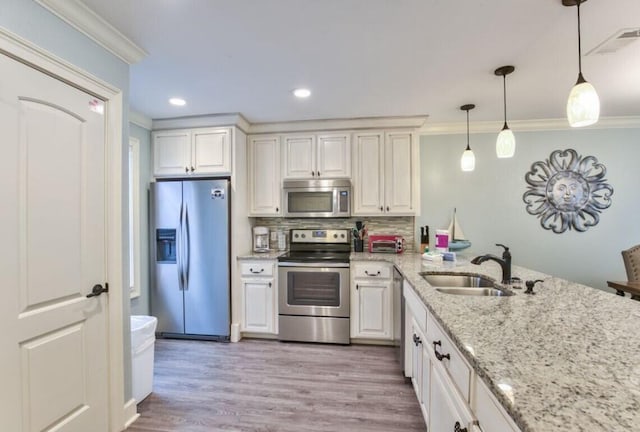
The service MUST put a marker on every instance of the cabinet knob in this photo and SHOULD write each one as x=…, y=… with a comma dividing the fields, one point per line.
x=458, y=428
x=318, y=173
x=313, y=173
x=387, y=208
x=193, y=169
x=277, y=209
x=186, y=169
x=357, y=286
x=269, y=284
x=381, y=208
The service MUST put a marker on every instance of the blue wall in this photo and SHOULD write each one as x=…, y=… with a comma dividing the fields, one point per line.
x=491, y=209
x=32, y=22
x=140, y=305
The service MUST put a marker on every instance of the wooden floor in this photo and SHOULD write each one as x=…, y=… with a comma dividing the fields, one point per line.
x=270, y=386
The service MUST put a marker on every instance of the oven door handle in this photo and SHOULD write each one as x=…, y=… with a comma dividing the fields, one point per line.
x=314, y=264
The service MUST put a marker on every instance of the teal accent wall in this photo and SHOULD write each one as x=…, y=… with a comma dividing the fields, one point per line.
x=32, y=22
x=141, y=305
x=491, y=210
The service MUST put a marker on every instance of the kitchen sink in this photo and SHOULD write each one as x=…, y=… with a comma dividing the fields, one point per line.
x=474, y=291
x=458, y=280
x=464, y=284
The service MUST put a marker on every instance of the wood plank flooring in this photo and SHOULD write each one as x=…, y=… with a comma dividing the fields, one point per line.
x=271, y=386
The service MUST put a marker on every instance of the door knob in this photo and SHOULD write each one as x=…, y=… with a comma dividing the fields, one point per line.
x=98, y=289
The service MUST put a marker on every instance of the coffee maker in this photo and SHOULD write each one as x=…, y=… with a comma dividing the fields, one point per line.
x=260, y=239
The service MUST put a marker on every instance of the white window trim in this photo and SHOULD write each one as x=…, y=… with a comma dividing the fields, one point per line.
x=134, y=213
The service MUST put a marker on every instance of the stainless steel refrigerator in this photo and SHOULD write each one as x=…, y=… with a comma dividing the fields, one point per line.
x=190, y=271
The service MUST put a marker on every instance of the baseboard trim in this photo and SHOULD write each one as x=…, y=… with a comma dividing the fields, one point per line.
x=130, y=413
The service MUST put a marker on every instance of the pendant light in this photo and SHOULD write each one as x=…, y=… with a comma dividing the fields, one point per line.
x=468, y=160
x=506, y=142
x=583, y=105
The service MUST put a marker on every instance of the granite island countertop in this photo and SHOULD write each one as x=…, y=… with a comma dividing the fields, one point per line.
x=564, y=359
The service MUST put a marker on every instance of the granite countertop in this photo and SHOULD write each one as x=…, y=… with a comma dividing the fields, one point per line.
x=272, y=254
x=564, y=359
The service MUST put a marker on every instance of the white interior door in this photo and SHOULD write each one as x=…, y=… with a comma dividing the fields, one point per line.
x=53, y=361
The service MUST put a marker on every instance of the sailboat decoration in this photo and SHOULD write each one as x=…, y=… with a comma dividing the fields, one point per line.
x=458, y=240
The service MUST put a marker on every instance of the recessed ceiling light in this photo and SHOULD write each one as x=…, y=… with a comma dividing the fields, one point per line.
x=302, y=93
x=177, y=101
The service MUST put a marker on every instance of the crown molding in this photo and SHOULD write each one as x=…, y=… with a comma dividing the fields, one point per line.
x=213, y=120
x=411, y=122
x=79, y=16
x=140, y=119
x=525, y=126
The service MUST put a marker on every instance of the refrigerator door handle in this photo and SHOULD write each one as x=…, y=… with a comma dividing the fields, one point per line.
x=187, y=249
x=179, y=252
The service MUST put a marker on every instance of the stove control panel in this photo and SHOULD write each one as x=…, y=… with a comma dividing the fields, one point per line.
x=319, y=236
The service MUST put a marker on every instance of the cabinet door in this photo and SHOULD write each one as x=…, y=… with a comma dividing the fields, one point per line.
x=171, y=153
x=368, y=171
x=265, y=188
x=372, y=309
x=211, y=151
x=400, y=169
x=417, y=342
x=445, y=407
x=333, y=156
x=299, y=156
x=258, y=299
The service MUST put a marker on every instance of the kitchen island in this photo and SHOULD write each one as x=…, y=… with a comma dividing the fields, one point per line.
x=564, y=359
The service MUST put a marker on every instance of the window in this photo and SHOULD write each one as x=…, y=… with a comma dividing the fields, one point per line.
x=134, y=217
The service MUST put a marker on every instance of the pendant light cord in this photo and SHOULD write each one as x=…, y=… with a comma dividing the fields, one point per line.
x=468, y=148
x=504, y=93
x=579, y=41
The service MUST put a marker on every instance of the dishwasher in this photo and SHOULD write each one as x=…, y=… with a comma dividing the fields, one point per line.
x=398, y=318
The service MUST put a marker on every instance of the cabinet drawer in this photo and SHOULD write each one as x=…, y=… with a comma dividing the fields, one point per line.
x=257, y=268
x=413, y=302
x=455, y=365
x=372, y=271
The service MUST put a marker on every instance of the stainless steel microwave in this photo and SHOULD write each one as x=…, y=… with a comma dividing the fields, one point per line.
x=317, y=198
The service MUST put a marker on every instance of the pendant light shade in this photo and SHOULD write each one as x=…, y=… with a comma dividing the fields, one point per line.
x=583, y=105
x=506, y=142
x=468, y=160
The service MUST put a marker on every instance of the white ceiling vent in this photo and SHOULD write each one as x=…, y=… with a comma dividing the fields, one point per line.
x=615, y=43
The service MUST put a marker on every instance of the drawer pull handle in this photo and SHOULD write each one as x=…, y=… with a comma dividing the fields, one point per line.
x=371, y=274
x=256, y=272
x=438, y=355
x=458, y=428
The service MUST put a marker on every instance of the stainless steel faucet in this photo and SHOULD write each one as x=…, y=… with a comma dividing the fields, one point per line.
x=505, y=262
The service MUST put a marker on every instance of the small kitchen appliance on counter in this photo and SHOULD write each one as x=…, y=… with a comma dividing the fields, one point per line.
x=386, y=243
x=260, y=239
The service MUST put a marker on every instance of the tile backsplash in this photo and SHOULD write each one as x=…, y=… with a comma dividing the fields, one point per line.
x=400, y=225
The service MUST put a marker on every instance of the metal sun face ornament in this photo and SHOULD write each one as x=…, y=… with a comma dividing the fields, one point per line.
x=567, y=191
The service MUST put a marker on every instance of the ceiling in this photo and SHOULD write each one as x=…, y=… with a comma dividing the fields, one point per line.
x=370, y=58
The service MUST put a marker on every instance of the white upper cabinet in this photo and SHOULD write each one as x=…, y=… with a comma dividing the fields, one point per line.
x=205, y=151
x=312, y=156
x=385, y=174
x=265, y=189
x=171, y=152
x=299, y=153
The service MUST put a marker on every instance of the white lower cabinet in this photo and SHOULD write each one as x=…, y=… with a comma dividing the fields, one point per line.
x=449, y=413
x=371, y=300
x=451, y=397
x=259, y=297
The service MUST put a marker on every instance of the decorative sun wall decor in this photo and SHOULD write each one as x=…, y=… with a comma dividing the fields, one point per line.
x=567, y=191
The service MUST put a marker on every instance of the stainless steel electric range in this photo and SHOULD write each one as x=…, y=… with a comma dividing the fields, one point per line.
x=313, y=287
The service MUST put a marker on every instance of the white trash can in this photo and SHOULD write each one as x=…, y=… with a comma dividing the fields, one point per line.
x=143, y=338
